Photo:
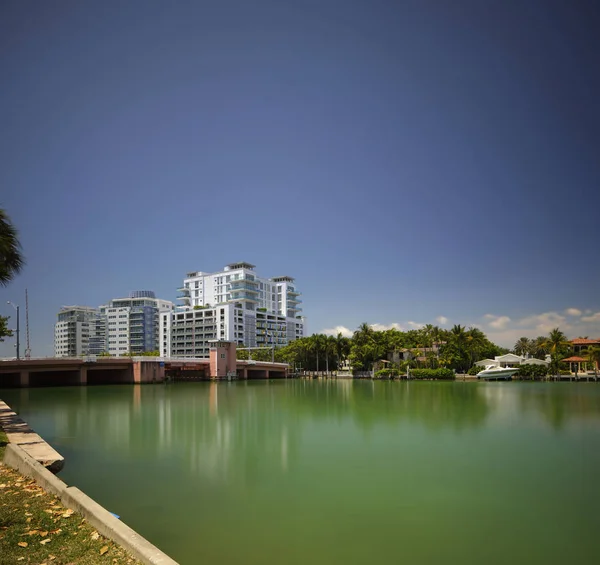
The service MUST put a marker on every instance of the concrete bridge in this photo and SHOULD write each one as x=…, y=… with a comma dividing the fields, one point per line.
x=52, y=371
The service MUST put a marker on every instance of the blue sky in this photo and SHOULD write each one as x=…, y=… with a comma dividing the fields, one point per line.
x=403, y=160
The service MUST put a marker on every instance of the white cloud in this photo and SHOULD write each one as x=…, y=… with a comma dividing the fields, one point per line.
x=508, y=338
x=505, y=331
x=347, y=332
x=541, y=324
x=497, y=322
x=592, y=318
x=338, y=330
x=544, y=323
x=384, y=327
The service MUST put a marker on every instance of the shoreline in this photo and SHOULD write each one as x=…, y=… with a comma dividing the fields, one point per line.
x=22, y=459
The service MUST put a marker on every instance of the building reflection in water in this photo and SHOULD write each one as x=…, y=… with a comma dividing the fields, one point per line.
x=221, y=430
x=242, y=430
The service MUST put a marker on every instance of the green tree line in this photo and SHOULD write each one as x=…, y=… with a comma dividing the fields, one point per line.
x=428, y=347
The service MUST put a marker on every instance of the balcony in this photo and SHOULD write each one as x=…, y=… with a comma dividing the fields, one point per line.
x=247, y=277
x=243, y=285
x=241, y=295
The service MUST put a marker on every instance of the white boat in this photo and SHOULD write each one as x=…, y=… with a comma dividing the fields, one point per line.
x=497, y=373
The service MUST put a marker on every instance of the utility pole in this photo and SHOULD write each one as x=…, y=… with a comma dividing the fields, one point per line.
x=28, y=348
x=18, y=329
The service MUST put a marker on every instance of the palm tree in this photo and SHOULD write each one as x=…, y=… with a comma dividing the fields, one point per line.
x=342, y=347
x=593, y=356
x=317, y=345
x=363, y=334
x=538, y=346
x=556, y=343
x=459, y=346
x=523, y=346
x=329, y=344
x=476, y=340
x=366, y=347
x=11, y=259
x=459, y=332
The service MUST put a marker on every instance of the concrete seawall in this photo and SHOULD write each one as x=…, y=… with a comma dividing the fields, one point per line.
x=19, y=433
x=19, y=457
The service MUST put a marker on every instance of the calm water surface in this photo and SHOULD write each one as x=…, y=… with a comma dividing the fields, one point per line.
x=342, y=472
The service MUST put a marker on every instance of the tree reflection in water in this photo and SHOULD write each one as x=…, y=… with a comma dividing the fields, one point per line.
x=560, y=403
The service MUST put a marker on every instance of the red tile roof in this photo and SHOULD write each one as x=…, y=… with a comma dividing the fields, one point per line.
x=584, y=341
x=574, y=359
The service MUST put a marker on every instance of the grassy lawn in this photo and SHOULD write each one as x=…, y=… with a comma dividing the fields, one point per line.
x=3, y=442
x=36, y=528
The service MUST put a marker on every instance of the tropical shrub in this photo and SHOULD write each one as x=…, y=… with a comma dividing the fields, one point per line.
x=474, y=370
x=384, y=373
x=438, y=374
x=532, y=372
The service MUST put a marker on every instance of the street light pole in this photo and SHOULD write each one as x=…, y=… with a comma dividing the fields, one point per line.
x=18, y=329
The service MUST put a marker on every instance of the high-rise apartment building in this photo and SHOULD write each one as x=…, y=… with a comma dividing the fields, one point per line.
x=79, y=330
x=132, y=324
x=238, y=282
x=122, y=326
x=234, y=304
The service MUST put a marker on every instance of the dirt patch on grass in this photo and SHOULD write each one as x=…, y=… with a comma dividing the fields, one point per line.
x=36, y=528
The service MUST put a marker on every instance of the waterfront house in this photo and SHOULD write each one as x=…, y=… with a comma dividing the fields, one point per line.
x=578, y=362
x=579, y=345
x=512, y=360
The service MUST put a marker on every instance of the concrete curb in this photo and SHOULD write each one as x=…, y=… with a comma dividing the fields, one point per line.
x=19, y=433
x=109, y=526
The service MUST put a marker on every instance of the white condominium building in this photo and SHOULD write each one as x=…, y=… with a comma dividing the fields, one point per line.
x=79, y=330
x=234, y=305
x=238, y=282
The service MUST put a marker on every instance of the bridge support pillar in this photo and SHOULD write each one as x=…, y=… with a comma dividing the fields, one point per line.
x=24, y=379
x=148, y=372
x=83, y=376
x=266, y=373
x=245, y=373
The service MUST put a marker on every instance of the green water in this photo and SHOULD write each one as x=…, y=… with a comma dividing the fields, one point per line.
x=307, y=472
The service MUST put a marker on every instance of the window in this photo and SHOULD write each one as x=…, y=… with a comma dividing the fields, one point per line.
x=222, y=355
